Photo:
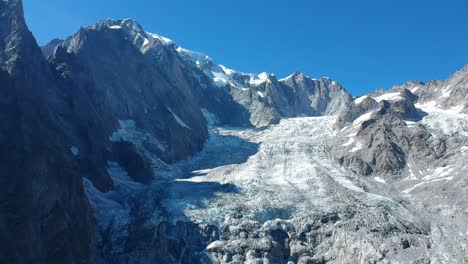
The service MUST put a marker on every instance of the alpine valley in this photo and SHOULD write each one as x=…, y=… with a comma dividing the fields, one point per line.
x=119, y=146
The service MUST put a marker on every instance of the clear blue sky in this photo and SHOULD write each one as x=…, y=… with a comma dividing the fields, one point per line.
x=362, y=44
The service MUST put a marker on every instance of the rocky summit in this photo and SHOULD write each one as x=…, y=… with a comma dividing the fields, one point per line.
x=118, y=145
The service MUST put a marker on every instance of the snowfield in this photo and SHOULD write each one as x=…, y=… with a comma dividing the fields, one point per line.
x=290, y=173
x=273, y=195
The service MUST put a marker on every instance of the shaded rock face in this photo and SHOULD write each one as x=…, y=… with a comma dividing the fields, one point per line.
x=44, y=214
x=120, y=93
x=181, y=242
x=49, y=48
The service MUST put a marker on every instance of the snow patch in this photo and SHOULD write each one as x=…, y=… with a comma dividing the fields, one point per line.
x=164, y=40
x=358, y=147
x=258, y=79
x=349, y=143
x=381, y=180
x=413, y=90
x=75, y=151
x=446, y=91
x=178, y=120
x=363, y=118
x=287, y=78
x=359, y=100
x=389, y=97
x=261, y=94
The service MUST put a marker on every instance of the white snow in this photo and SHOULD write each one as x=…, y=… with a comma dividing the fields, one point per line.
x=145, y=42
x=362, y=118
x=227, y=70
x=446, y=91
x=220, y=79
x=178, y=120
x=115, y=27
x=261, y=94
x=285, y=167
x=349, y=142
x=128, y=132
x=378, y=179
x=440, y=173
x=410, y=123
x=359, y=100
x=258, y=79
x=164, y=40
x=445, y=121
x=413, y=90
x=433, y=107
x=75, y=151
x=389, y=97
x=358, y=147
x=411, y=176
x=286, y=78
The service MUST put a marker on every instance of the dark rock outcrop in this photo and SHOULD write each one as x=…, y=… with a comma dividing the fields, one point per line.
x=44, y=214
x=120, y=93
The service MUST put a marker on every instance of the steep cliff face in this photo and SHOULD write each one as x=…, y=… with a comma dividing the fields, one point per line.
x=232, y=97
x=44, y=214
x=132, y=110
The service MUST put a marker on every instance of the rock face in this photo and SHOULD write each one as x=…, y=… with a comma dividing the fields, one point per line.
x=135, y=103
x=44, y=214
x=409, y=143
x=49, y=48
x=379, y=138
x=398, y=123
x=237, y=98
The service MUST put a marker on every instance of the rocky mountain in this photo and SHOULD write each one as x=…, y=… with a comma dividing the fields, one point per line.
x=409, y=143
x=235, y=98
x=120, y=146
x=45, y=216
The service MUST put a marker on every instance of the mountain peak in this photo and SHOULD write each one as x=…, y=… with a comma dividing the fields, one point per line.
x=125, y=24
x=296, y=74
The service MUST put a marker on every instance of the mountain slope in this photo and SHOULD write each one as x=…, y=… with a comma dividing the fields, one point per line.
x=235, y=98
x=160, y=142
x=44, y=214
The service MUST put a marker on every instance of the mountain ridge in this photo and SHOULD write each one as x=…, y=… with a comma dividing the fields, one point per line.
x=118, y=145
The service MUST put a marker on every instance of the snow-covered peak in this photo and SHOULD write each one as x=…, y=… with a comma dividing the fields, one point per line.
x=257, y=79
x=293, y=76
x=163, y=39
x=389, y=97
x=126, y=24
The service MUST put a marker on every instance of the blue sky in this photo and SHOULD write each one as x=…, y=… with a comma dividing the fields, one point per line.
x=362, y=44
